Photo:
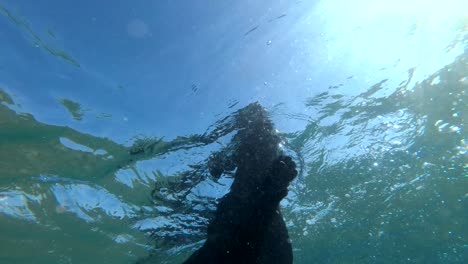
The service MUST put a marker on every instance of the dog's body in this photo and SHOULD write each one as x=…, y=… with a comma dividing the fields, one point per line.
x=248, y=226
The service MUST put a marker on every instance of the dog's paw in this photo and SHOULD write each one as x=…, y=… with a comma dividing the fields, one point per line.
x=283, y=170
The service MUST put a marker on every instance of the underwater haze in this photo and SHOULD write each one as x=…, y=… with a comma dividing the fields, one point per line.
x=110, y=110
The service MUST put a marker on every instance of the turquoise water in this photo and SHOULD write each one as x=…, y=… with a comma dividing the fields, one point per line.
x=109, y=112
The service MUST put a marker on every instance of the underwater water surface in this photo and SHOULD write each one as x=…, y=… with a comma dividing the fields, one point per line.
x=110, y=110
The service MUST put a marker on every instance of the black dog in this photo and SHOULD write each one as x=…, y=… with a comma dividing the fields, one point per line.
x=248, y=226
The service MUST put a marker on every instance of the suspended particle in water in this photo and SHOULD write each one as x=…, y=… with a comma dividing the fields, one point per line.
x=464, y=80
x=60, y=209
x=454, y=129
x=435, y=81
x=137, y=28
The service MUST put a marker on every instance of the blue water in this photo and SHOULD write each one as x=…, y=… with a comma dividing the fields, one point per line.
x=105, y=109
